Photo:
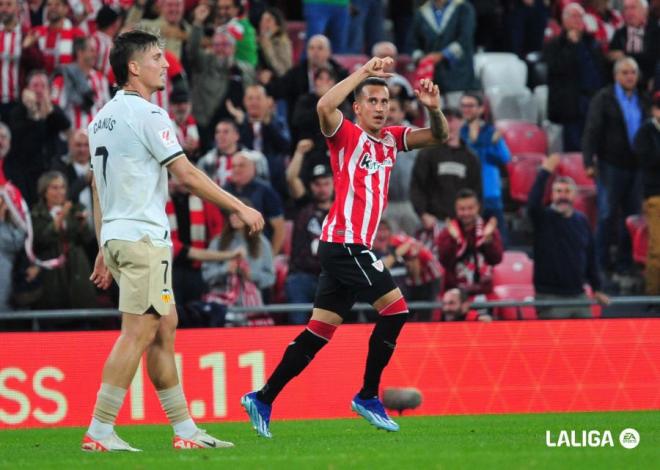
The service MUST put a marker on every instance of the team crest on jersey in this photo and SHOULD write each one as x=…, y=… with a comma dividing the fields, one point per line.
x=168, y=137
x=388, y=140
x=166, y=296
x=372, y=165
x=378, y=266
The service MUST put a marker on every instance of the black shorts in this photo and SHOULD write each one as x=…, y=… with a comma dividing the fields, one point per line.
x=350, y=273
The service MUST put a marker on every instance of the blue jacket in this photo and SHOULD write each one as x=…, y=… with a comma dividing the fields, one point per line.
x=492, y=153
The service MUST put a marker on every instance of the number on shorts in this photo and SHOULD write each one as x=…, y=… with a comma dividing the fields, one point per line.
x=167, y=265
x=103, y=152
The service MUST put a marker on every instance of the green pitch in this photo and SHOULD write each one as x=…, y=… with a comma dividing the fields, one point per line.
x=474, y=442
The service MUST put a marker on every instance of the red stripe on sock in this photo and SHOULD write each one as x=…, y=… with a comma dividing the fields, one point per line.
x=397, y=307
x=319, y=328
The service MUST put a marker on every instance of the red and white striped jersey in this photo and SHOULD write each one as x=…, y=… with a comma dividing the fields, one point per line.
x=80, y=119
x=57, y=44
x=217, y=166
x=188, y=129
x=10, y=61
x=103, y=45
x=361, y=167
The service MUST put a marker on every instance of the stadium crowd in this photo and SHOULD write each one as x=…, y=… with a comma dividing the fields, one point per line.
x=547, y=102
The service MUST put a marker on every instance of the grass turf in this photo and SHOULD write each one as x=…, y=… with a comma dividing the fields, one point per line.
x=483, y=441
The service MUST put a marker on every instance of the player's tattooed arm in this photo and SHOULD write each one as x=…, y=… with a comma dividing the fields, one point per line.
x=439, y=126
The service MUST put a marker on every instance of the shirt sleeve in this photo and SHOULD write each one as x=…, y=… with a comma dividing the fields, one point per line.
x=341, y=139
x=400, y=134
x=160, y=137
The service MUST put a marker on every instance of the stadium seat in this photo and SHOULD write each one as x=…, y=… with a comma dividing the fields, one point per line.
x=351, y=62
x=512, y=103
x=296, y=31
x=554, y=133
x=522, y=137
x=482, y=58
x=639, y=235
x=514, y=292
x=516, y=268
x=572, y=165
x=522, y=171
x=537, y=70
x=503, y=72
x=288, y=237
x=541, y=97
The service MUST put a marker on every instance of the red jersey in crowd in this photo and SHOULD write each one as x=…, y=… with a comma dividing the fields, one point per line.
x=187, y=130
x=80, y=118
x=10, y=62
x=361, y=167
x=57, y=44
x=103, y=44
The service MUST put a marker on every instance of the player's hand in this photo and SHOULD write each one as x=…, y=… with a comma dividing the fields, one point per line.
x=304, y=145
x=101, y=276
x=551, y=163
x=376, y=67
x=602, y=298
x=252, y=218
x=428, y=94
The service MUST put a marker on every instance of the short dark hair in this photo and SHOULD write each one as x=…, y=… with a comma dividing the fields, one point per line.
x=475, y=96
x=377, y=81
x=124, y=48
x=79, y=45
x=466, y=193
x=228, y=121
x=327, y=70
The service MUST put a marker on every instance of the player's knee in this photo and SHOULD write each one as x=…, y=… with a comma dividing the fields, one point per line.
x=396, y=307
x=322, y=329
x=140, y=336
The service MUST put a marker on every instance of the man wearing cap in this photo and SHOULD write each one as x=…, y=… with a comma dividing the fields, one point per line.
x=304, y=264
x=184, y=122
x=647, y=148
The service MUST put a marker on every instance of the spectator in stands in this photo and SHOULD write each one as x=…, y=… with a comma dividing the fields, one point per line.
x=36, y=10
x=615, y=115
x=193, y=224
x=575, y=73
x=366, y=26
x=564, y=250
x=262, y=130
x=229, y=15
x=601, y=20
x=79, y=89
x=484, y=140
x=108, y=24
x=217, y=76
x=400, y=211
x=304, y=264
x=647, y=148
x=245, y=184
x=526, y=24
x=55, y=37
x=78, y=173
x=422, y=269
x=255, y=263
x=443, y=32
x=329, y=17
x=217, y=162
x=35, y=126
x=639, y=39
x=440, y=173
x=299, y=80
x=184, y=122
x=61, y=232
x=456, y=307
x=468, y=247
x=398, y=85
x=12, y=227
x=16, y=57
x=275, y=49
x=174, y=29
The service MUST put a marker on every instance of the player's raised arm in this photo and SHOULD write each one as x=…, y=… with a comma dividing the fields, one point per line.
x=329, y=115
x=438, y=132
x=202, y=186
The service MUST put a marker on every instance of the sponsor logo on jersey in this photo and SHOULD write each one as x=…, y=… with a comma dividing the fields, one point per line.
x=168, y=137
x=372, y=165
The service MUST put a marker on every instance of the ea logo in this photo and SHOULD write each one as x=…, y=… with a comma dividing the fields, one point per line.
x=629, y=438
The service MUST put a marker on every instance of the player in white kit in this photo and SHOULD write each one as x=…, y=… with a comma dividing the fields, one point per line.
x=133, y=145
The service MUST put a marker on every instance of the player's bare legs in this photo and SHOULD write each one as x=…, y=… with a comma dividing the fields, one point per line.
x=297, y=356
x=137, y=333
x=393, y=312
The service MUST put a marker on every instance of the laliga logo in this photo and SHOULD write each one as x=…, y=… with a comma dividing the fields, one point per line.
x=628, y=438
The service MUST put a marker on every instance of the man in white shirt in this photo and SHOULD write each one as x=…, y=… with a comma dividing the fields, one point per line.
x=133, y=144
